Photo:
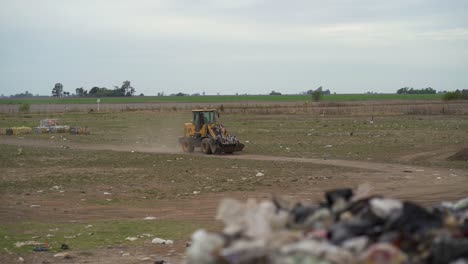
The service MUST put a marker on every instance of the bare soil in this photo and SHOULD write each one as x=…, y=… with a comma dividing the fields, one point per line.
x=460, y=155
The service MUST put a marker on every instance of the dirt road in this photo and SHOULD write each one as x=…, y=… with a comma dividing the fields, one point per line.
x=423, y=184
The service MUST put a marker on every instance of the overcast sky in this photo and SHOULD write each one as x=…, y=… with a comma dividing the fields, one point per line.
x=233, y=46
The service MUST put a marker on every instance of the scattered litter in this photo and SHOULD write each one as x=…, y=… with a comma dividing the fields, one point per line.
x=35, y=205
x=27, y=243
x=55, y=187
x=41, y=248
x=144, y=259
x=20, y=259
x=131, y=238
x=64, y=255
x=126, y=254
x=196, y=192
x=107, y=193
x=347, y=227
x=150, y=218
x=328, y=146
x=259, y=174
x=88, y=226
x=162, y=241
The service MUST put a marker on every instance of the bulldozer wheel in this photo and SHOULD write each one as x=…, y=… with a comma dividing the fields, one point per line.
x=215, y=149
x=205, y=146
x=187, y=147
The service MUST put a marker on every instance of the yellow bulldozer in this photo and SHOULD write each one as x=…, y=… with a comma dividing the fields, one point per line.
x=206, y=133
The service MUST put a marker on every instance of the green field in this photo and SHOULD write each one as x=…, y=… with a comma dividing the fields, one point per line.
x=223, y=98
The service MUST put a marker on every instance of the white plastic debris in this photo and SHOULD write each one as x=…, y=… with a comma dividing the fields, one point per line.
x=62, y=255
x=203, y=244
x=256, y=219
x=384, y=207
x=131, y=238
x=107, y=193
x=150, y=218
x=161, y=241
x=27, y=243
x=35, y=205
x=259, y=174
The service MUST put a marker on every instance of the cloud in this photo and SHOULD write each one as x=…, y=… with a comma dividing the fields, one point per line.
x=99, y=38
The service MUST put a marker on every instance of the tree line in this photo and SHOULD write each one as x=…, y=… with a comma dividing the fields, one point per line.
x=411, y=90
x=126, y=89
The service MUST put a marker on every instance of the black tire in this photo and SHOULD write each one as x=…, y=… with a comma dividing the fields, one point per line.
x=215, y=149
x=187, y=146
x=206, y=146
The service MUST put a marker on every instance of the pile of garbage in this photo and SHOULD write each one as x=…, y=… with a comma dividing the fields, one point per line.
x=51, y=126
x=347, y=227
x=223, y=137
x=55, y=126
x=46, y=126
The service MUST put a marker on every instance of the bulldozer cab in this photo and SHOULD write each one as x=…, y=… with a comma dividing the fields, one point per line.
x=201, y=117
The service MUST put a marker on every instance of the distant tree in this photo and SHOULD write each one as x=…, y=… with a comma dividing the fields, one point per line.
x=317, y=95
x=275, y=93
x=81, y=92
x=411, y=90
x=142, y=94
x=180, y=94
x=57, y=90
x=22, y=95
x=93, y=91
x=125, y=90
x=456, y=95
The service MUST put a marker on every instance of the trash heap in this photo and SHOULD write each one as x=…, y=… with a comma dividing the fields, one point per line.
x=55, y=126
x=51, y=126
x=223, y=137
x=45, y=126
x=348, y=227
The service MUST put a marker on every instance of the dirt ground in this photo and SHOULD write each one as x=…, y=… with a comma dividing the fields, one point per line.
x=301, y=178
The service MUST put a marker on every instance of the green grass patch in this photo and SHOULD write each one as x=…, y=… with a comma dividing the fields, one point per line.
x=223, y=98
x=92, y=235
